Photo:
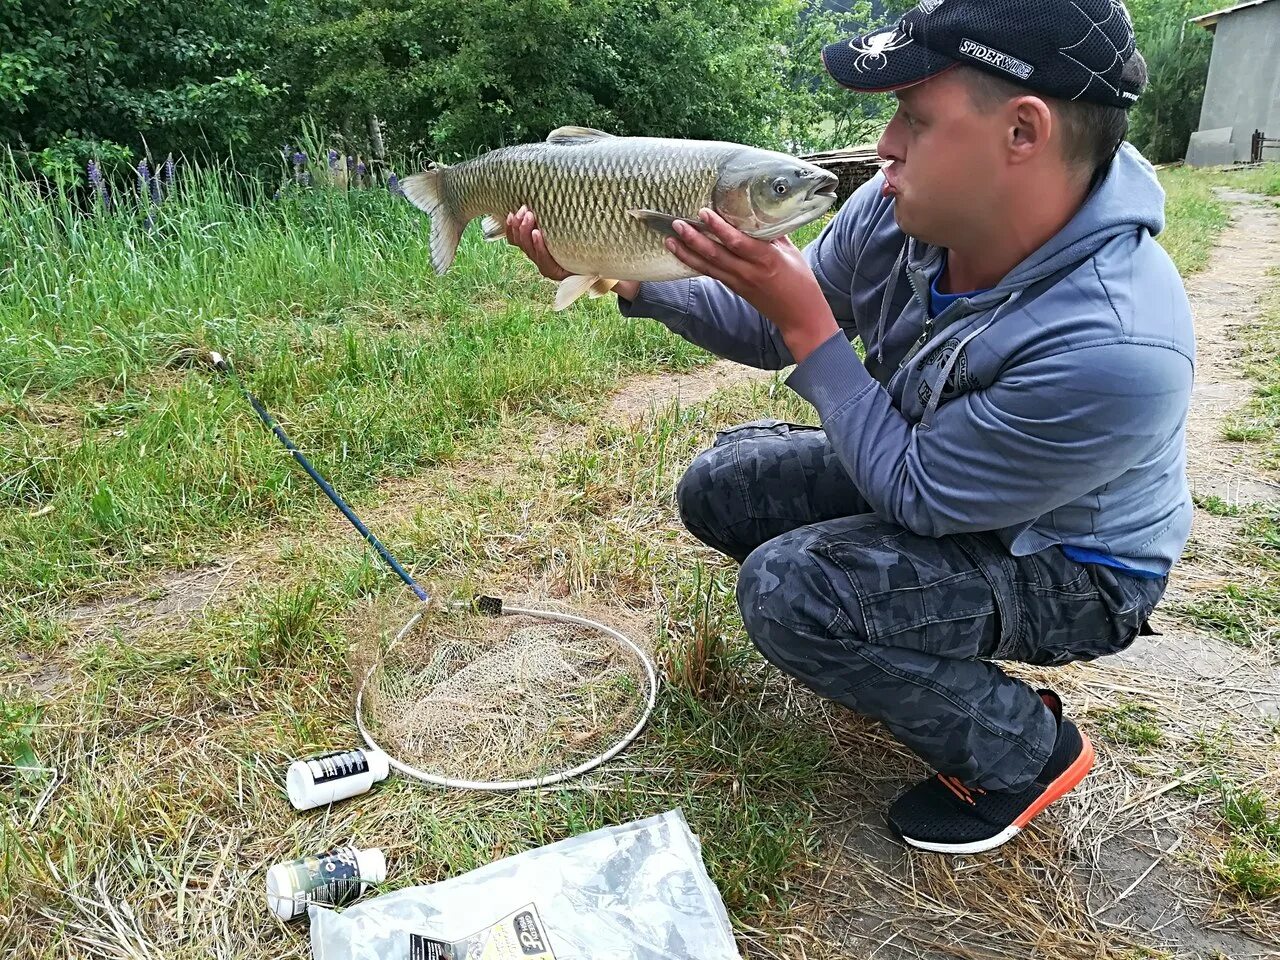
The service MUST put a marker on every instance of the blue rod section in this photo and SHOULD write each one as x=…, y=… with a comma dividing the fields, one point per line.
x=224, y=366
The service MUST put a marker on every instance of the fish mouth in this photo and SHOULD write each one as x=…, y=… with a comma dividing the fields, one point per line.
x=825, y=188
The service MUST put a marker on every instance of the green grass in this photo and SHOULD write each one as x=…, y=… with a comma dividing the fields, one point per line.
x=1264, y=180
x=1259, y=421
x=1244, y=614
x=122, y=453
x=122, y=456
x=1250, y=864
x=1216, y=505
x=266, y=677
x=1194, y=218
x=121, y=449
x=1131, y=724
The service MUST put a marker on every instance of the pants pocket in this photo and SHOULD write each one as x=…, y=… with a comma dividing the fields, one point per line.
x=916, y=592
x=759, y=428
x=1104, y=617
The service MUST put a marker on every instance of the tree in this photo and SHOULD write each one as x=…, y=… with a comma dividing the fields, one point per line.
x=452, y=79
x=1177, y=56
x=80, y=78
x=1168, y=111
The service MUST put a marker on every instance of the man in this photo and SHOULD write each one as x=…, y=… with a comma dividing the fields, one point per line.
x=1003, y=476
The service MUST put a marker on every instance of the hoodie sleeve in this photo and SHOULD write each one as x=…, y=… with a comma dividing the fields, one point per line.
x=1049, y=430
x=707, y=313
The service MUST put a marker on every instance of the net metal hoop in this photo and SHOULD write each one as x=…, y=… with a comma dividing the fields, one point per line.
x=543, y=781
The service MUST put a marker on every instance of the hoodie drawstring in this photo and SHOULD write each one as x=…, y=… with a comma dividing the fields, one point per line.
x=887, y=300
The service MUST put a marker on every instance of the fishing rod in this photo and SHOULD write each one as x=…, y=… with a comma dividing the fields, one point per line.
x=222, y=365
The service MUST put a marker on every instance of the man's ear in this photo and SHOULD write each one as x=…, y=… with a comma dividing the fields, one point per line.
x=1031, y=126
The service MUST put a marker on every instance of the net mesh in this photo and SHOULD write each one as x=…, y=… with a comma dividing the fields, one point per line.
x=471, y=697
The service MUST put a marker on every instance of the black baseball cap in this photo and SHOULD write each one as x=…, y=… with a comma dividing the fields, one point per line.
x=1069, y=49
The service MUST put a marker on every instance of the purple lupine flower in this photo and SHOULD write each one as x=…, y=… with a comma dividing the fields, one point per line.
x=144, y=175
x=155, y=189
x=393, y=185
x=306, y=179
x=333, y=159
x=360, y=169
x=299, y=159
x=351, y=162
x=168, y=172
x=276, y=195
x=148, y=224
x=99, y=185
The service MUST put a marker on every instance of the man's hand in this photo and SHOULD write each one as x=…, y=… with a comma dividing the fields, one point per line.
x=523, y=232
x=771, y=275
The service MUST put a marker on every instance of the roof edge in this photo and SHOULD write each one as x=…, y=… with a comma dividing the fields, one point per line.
x=1209, y=20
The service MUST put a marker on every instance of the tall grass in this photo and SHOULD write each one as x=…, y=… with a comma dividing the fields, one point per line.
x=120, y=447
x=1193, y=217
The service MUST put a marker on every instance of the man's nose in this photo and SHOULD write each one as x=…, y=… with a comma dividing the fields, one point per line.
x=890, y=146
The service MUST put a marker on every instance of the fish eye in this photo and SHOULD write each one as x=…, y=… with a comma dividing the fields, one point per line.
x=780, y=187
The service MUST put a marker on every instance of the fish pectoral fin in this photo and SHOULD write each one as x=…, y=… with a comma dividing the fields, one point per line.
x=662, y=222
x=494, y=229
x=571, y=288
x=569, y=135
x=601, y=287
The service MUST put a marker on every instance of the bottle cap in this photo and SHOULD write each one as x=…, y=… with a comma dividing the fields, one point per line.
x=280, y=892
x=372, y=864
x=298, y=783
x=379, y=764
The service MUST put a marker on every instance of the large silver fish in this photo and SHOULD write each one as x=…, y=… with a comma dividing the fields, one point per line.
x=605, y=204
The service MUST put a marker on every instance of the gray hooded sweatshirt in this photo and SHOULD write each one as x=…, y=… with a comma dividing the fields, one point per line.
x=1050, y=409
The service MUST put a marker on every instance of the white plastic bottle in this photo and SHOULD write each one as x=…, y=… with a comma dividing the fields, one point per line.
x=334, y=878
x=328, y=777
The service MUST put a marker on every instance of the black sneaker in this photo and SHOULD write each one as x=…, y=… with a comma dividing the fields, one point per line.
x=944, y=815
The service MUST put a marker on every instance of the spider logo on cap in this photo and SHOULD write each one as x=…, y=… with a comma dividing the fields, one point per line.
x=871, y=50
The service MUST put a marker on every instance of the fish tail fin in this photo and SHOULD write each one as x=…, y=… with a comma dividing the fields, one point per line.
x=426, y=192
x=602, y=286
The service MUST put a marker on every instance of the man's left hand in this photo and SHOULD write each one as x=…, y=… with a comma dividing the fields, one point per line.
x=771, y=275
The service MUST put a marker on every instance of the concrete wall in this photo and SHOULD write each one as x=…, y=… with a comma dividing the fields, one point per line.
x=1243, y=90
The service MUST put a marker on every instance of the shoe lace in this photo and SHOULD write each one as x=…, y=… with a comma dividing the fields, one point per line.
x=959, y=789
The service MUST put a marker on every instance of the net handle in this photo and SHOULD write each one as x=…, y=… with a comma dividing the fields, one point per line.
x=533, y=782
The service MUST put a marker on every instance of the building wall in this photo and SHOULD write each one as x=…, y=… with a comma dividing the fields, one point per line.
x=1243, y=89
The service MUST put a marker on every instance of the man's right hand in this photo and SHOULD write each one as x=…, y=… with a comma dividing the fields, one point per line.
x=523, y=232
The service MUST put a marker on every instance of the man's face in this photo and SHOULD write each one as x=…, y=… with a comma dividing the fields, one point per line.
x=948, y=160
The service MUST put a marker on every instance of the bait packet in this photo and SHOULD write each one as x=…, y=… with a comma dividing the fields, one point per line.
x=638, y=891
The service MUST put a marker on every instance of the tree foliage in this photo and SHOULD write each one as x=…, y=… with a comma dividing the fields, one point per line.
x=444, y=78
x=1177, y=55
x=112, y=79
x=102, y=77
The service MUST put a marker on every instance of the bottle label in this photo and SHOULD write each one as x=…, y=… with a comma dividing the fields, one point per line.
x=331, y=877
x=517, y=936
x=326, y=767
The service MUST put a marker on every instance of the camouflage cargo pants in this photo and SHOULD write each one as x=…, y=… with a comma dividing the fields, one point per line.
x=897, y=626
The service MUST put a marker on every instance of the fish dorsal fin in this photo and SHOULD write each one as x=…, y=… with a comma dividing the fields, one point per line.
x=571, y=135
